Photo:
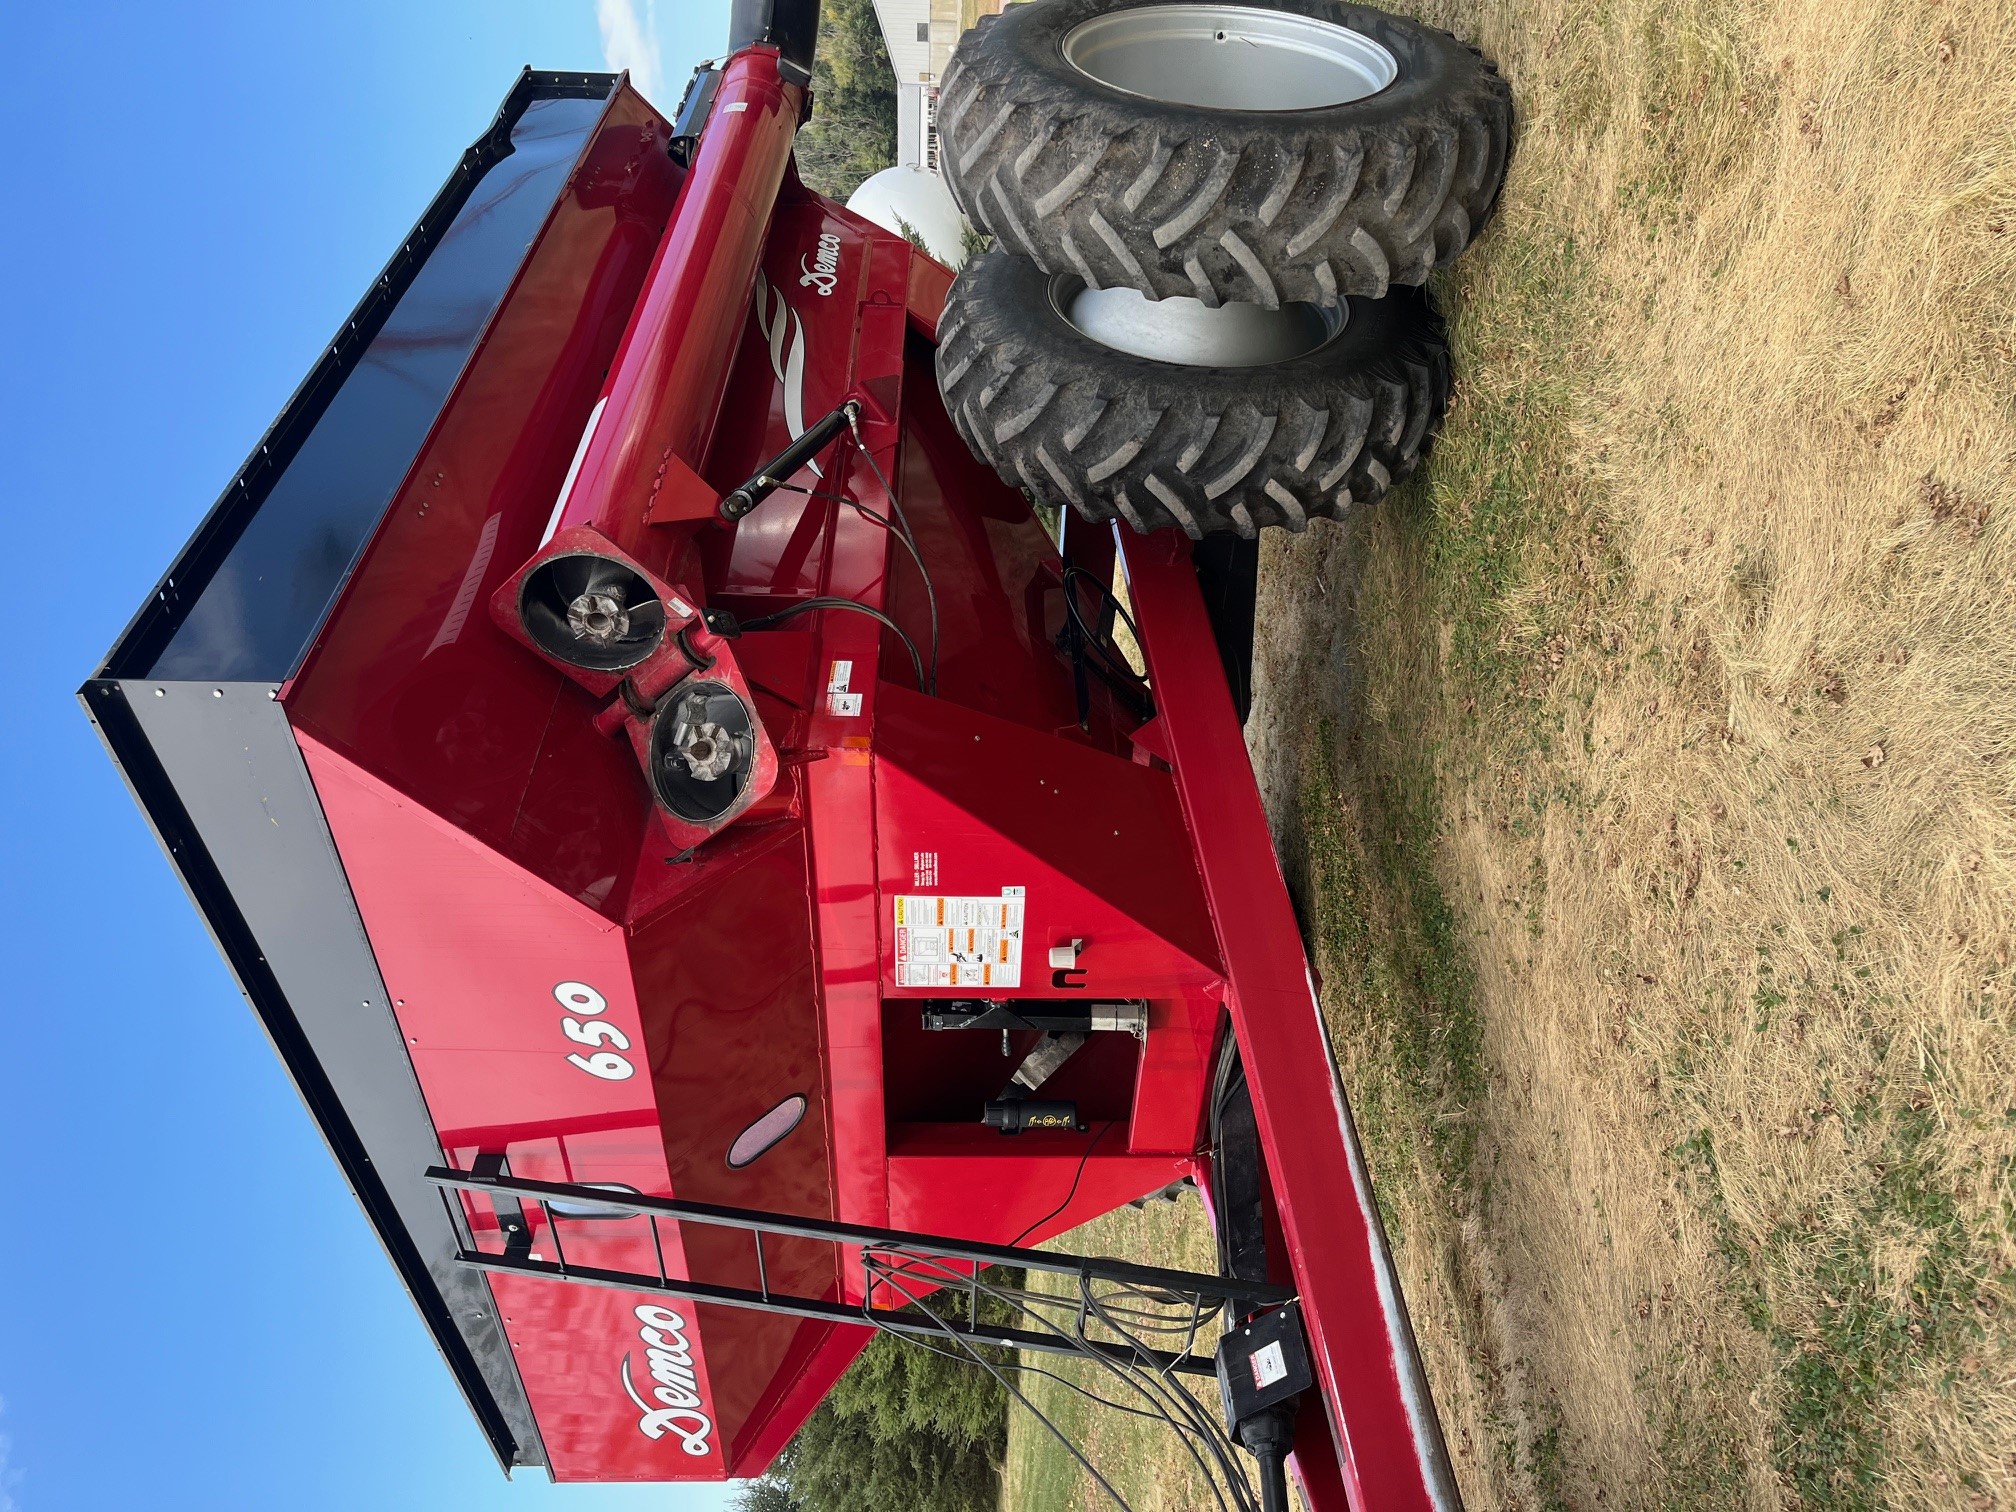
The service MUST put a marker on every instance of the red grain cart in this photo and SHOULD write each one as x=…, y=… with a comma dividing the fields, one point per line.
x=628, y=747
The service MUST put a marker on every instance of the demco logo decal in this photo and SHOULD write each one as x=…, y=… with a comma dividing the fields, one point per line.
x=821, y=267
x=784, y=330
x=675, y=1387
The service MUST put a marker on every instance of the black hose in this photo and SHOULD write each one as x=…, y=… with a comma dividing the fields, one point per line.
x=811, y=605
x=909, y=536
x=1273, y=1482
x=1267, y=1436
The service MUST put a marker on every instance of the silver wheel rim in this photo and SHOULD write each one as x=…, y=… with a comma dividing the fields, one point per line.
x=1229, y=57
x=1190, y=333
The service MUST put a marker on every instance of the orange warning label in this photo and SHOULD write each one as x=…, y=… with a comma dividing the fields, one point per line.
x=946, y=941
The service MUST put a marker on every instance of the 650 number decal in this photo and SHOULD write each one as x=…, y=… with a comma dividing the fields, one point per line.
x=582, y=1025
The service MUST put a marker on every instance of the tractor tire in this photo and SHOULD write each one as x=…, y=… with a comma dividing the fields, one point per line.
x=1240, y=200
x=1075, y=421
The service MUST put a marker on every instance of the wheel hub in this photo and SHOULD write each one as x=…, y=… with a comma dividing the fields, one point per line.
x=1230, y=57
x=1189, y=332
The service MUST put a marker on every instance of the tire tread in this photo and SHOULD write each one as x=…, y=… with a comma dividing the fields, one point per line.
x=1106, y=434
x=1241, y=206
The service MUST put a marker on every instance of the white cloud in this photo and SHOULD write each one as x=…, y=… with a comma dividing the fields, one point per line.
x=629, y=40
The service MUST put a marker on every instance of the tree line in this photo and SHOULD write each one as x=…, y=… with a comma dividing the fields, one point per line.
x=852, y=132
x=911, y=1425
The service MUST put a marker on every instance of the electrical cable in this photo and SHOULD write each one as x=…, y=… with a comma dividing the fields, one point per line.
x=1127, y=1310
x=901, y=530
x=1215, y=1436
x=1076, y=1177
x=1221, y=1451
x=909, y=535
x=1006, y=1385
x=1140, y=1412
x=1151, y=1383
x=811, y=605
x=1155, y=1386
x=1113, y=663
x=1200, y=1422
x=1112, y=601
x=1153, y=1322
x=1021, y=1300
x=901, y=537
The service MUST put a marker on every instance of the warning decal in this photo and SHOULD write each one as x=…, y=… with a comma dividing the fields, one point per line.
x=1270, y=1364
x=959, y=942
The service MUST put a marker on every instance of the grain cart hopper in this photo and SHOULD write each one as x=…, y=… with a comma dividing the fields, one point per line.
x=696, y=840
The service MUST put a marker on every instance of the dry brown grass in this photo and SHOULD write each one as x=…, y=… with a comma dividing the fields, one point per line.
x=1681, y=699
x=1645, y=772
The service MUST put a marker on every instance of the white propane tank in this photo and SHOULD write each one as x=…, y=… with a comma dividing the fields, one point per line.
x=919, y=197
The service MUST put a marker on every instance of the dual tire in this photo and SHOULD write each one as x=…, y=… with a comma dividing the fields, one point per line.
x=1205, y=305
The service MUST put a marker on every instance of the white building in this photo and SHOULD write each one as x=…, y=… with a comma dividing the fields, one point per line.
x=920, y=36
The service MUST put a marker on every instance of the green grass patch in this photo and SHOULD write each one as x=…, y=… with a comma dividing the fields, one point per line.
x=1502, y=549
x=1389, y=948
x=1040, y=1474
x=1144, y=1459
x=1844, y=1336
x=1490, y=552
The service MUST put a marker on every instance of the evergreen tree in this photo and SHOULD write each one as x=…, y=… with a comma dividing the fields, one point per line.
x=767, y=1495
x=853, y=128
x=908, y=1426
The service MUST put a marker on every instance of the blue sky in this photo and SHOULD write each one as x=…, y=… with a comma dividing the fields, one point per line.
x=193, y=1314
